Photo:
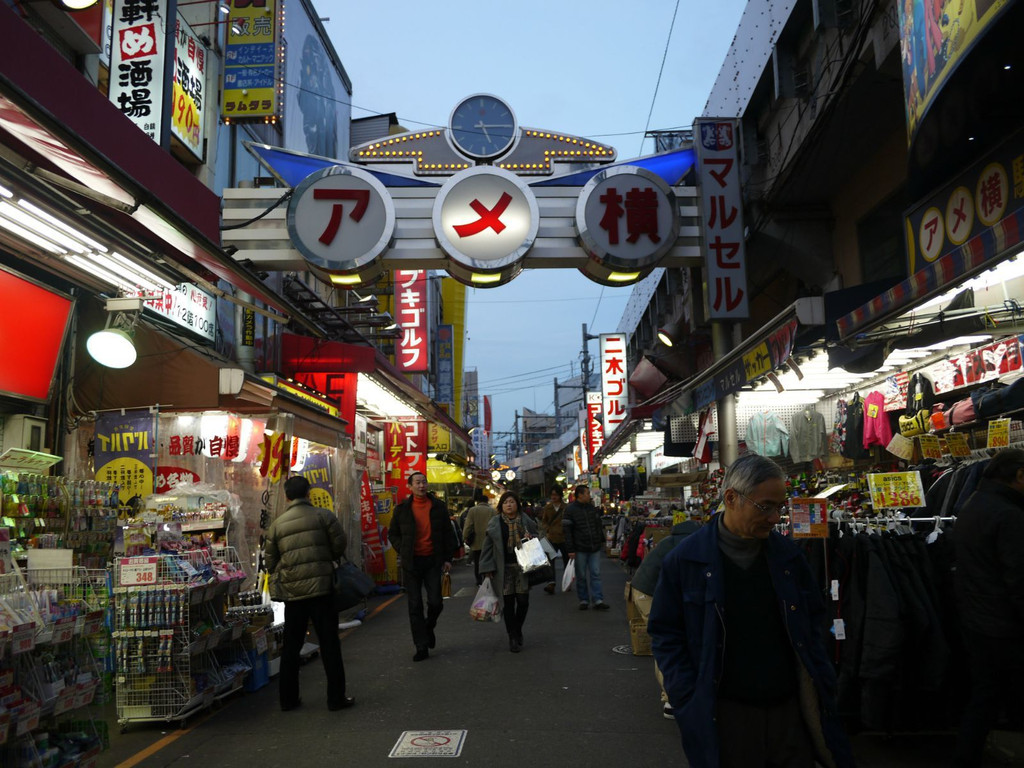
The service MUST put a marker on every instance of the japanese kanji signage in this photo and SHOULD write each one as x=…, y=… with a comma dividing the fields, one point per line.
x=446, y=366
x=411, y=308
x=971, y=204
x=251, y=61
x=405, y=452
x=485, y=218
x=374, y=552
x=341, y=219
x=595, y=432
x=187, y=306
x=138, y=64
x=615, y=397
x=189, y=89
x=125, y=451
x=722, y=214
x=627, y=218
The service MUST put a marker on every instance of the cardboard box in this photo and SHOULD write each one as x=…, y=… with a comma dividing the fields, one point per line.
x=639, y=638
x=631, y=610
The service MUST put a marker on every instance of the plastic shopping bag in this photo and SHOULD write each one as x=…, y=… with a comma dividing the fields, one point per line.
x=530, y=555
x=569, y=576
x=486, y=606
x=549, y=549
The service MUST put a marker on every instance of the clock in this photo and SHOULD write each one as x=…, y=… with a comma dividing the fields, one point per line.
x=482, y=126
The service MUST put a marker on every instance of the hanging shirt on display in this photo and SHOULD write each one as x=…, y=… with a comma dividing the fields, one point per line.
x=877, y=430
x=920, y=396
x=854, y=446
x=807, y=438
x=837, y=440
x=767, y=435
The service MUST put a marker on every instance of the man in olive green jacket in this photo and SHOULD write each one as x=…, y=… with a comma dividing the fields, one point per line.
x=302, y=545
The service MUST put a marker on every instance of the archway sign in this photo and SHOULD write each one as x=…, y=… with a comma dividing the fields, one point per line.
x=482, y=199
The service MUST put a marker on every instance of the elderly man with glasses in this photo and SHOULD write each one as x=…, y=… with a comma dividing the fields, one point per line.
x=738, y=629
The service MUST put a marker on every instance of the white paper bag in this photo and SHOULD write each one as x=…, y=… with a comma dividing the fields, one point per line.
x=531, y=556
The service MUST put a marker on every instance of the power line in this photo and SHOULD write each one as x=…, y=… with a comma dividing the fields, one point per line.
x=657, y=85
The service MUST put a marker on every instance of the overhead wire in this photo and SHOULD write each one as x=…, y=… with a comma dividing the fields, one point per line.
x=657, y=84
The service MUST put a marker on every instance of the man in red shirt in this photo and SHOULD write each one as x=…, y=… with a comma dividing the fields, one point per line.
x=422, y=534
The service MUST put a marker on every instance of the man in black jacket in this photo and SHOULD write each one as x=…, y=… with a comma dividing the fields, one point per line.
x=989, y=540
x=422, y=534
x=584, y=541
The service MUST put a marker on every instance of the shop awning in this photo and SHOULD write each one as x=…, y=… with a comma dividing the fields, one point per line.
x=47, y=106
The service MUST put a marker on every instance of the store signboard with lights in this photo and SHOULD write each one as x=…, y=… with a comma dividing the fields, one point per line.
x=411, y=308
x=187, y=306
x=615, y=397
x=595, y=430
x=252, y=61
x=138, y=64
x=188, y=98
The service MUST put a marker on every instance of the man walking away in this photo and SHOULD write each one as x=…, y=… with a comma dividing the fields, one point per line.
x=551, y=528
x=422, y=534
x=302, y=544
x=584, y=541
x=475, y=527
x=989, y=541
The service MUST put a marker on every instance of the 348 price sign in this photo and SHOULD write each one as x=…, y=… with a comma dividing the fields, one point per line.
x=138, y=571
x=895, y=490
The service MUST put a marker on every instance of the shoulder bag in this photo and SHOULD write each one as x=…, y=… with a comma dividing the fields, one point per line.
x=351, y=585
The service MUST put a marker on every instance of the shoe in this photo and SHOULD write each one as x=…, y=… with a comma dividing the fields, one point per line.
x=290, y=707
x=667, y=711
x=431, y=640
x=519, y=638
x=584, y=606
x=513, y=644
x=345, y=703
x=421, y=654
x=601, y=607
x=550, y=588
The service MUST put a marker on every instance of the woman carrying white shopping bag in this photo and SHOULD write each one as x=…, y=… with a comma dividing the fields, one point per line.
x=505, y=532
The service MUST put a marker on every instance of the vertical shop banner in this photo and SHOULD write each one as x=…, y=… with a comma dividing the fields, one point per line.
x=595, y=431
x=487, y=414
x=339, y=387
x=446, y=366
x=140, y=56
x=188, y=97
x=613, y=381
x=405, y=452
x=251, y=61
x=317, y=470
x=125, y=451
x=722, y=218
x=411, y=306
x=373, y=552
x=373, y=458
x=584, y=451
x=416, y=447
x=385, y=507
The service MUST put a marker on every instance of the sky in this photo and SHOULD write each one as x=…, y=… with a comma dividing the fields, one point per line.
x=584, y=67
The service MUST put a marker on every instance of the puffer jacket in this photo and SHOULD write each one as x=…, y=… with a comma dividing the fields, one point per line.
x=302, y=544
x=584, y=531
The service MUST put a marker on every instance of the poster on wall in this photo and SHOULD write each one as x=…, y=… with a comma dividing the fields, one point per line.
x=124, y=453
x=384, y=505
x=138, y=65
x=188, y=96
x=317, y=470
x=373, y=553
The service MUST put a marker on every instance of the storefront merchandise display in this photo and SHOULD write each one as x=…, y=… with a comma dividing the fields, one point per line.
x=767, y=435
x=853, y=445
x=920, y=394
x=877, y=430
x=807, y=438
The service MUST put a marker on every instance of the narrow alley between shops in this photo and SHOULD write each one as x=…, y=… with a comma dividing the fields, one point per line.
x=575, y=695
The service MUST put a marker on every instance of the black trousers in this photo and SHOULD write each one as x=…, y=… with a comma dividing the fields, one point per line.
x=772, y=736
x=997, y=673
x=514, y=613
x=424, y=575
x=297, y=616
x=475, y=555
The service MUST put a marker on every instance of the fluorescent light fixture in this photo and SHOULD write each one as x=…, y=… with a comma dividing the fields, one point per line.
x=141, y=270
x=769, y=398
x=82, y=238
x=5, y=192
x=32, y=237
x=129, y=277
x=41, y=227
x=622, y=277
x=483, y=279
x=376, y=398
x=94, y=269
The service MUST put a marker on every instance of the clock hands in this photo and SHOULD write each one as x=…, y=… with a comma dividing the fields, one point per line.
x=483, y=127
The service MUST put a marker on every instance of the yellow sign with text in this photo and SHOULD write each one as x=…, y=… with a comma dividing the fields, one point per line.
x=894, y=490
x=931, y=448
x=999, y=433
x=956, y=444
x=757, y=362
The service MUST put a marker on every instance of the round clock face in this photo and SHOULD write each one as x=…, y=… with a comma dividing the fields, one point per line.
x=483, y=126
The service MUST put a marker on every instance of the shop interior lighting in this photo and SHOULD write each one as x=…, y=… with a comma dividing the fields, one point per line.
x=5, y=192
x=377, y=399
x=113, y=347
x=76, y=5
x=1003, y=272
x=769, y=398
x=622, y=277
x=670, y=332
x=103, y=274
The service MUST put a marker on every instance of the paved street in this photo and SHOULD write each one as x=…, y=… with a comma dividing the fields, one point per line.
x=568, y=699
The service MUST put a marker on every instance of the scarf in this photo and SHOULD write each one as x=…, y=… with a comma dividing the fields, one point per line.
x=515, y=530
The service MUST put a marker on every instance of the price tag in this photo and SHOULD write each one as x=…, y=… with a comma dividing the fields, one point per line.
x=894, y=490
x=956, y=443
x=138, y=571
x=835, y=589
x=930, y=446
x=839, y=629
x=23, y=638
x=63, y=630
x=999, y=433
x=93, y=623
x=261, y=642
x=65, y=701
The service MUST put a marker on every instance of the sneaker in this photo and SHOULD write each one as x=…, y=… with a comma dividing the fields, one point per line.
x=584, y=606
x=602, y=607
x=345, y=703
x=666, y=710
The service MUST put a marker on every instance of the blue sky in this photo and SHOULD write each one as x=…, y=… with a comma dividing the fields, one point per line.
x=586, y=67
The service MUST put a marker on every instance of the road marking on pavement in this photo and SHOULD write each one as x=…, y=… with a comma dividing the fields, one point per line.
x=466, y=592
x=429, y=744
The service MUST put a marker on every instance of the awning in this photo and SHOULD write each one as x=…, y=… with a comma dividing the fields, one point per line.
x=47, y=106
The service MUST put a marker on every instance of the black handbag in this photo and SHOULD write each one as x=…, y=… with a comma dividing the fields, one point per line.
x=543, y=575
x=351, y=586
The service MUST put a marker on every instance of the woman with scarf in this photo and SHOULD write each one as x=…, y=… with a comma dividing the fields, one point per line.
x=505, y=532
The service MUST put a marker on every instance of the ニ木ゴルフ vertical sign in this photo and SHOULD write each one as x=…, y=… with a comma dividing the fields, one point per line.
x=411, y=305
x=614, y=396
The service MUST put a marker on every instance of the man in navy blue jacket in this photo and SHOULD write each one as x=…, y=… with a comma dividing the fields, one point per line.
x=737, y=629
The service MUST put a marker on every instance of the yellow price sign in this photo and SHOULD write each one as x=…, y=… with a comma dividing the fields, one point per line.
x=956, y=444
x=999, y=433
x=931, y=448
x=894, y=490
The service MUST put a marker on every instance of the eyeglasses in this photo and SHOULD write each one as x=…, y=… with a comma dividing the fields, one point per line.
x=767, y=510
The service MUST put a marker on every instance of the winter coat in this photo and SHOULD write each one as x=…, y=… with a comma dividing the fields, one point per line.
x=584, y=531
x=442, y=534
x=492, y=556
x=687, y=637
x=989, y=540
x=646, y=577
x=551, y=523
x=476, y=525
x=302, y=544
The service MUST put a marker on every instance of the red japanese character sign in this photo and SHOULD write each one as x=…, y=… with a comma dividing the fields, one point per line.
x=485, y=218
x=722, y=214
x=930, y=234
x=627, y=218
x=341, y=219
x=615, y=397
x=992, y=194
x=595, y=430
x=959, y=215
